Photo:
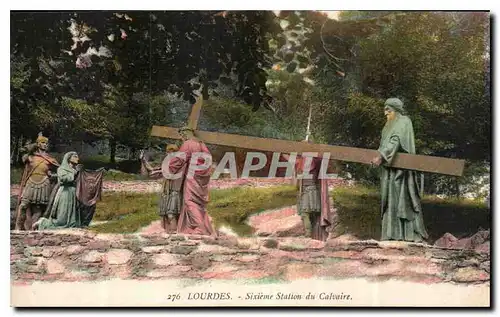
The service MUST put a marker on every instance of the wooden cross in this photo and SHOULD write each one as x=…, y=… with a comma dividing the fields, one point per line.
x=431, y=164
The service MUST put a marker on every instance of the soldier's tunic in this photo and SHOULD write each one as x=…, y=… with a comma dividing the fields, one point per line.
x=170, y=201
x=37, y=188
x=313, y=202
x=170, y=197
x=310, y=197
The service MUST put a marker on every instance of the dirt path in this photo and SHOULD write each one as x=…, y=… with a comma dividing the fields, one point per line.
x=357, y=292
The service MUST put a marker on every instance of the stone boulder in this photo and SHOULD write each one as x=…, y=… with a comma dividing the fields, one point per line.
x=290, y=226
x=480, y=237
x=483, y=248
x=282, y=222
x=446, y=241
x=480, y=241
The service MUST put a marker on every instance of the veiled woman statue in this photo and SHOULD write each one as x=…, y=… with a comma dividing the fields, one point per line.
x=62, y=210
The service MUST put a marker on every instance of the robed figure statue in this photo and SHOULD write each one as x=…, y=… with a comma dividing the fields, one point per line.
x=401, y=208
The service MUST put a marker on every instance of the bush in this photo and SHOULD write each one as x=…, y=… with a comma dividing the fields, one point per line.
x=129, y=166
x=126, y=170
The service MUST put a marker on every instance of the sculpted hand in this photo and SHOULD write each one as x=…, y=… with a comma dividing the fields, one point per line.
x=376, y=161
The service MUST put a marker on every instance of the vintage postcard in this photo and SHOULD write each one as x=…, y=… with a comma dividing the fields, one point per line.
x=250, y=158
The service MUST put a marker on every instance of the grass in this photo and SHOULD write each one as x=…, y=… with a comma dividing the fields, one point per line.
x=128, y=212
x=111, y=175
x=231, y=207
x=359, y=213
x=358, y=210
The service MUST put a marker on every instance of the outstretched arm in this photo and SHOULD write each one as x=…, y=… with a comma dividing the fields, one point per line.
x=147, y=168
x=147, y=165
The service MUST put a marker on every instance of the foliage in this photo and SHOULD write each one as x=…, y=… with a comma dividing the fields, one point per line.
x=475, y=183
x=229, y=116
x=440, y=74
x=434, y=62
x=120, y=171
x=187, y=48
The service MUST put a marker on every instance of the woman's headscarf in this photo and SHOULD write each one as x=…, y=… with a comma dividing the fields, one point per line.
x=65, y=165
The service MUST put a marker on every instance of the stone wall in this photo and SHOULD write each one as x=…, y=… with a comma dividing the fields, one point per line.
x=72, y=255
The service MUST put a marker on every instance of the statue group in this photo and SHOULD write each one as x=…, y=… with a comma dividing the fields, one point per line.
x=53, y=195
x=183, y=201
x=64, y=195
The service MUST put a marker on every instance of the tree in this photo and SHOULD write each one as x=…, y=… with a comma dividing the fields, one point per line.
x=436, y=63
x=181, y=51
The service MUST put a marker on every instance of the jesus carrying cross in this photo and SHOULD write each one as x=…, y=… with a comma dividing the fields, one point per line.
x=401, y=159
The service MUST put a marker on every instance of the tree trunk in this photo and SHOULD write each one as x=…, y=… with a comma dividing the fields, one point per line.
x=353, y=74
x=132, y=153
x=457, y=188
x=15, y=151
x=112, y=151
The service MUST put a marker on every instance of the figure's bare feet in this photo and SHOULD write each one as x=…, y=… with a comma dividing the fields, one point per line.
x=172, y=229
x=172, y=224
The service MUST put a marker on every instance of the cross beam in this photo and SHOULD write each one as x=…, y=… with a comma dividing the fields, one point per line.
x=431, y=164
x=195, y=113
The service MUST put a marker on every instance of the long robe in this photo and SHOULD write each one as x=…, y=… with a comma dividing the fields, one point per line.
x=193, y=218
x=64, y=206
x=314, y=199
x=401, y=209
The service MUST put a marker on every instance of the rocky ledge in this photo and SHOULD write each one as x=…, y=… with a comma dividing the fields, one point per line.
x=72, y=255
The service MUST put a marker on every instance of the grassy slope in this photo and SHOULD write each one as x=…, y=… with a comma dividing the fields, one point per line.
x=127, y=212
x=358, y=210
x=359, y=213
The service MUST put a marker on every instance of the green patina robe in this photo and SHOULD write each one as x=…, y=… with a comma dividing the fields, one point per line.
x=63, y=209
x=402, y=217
